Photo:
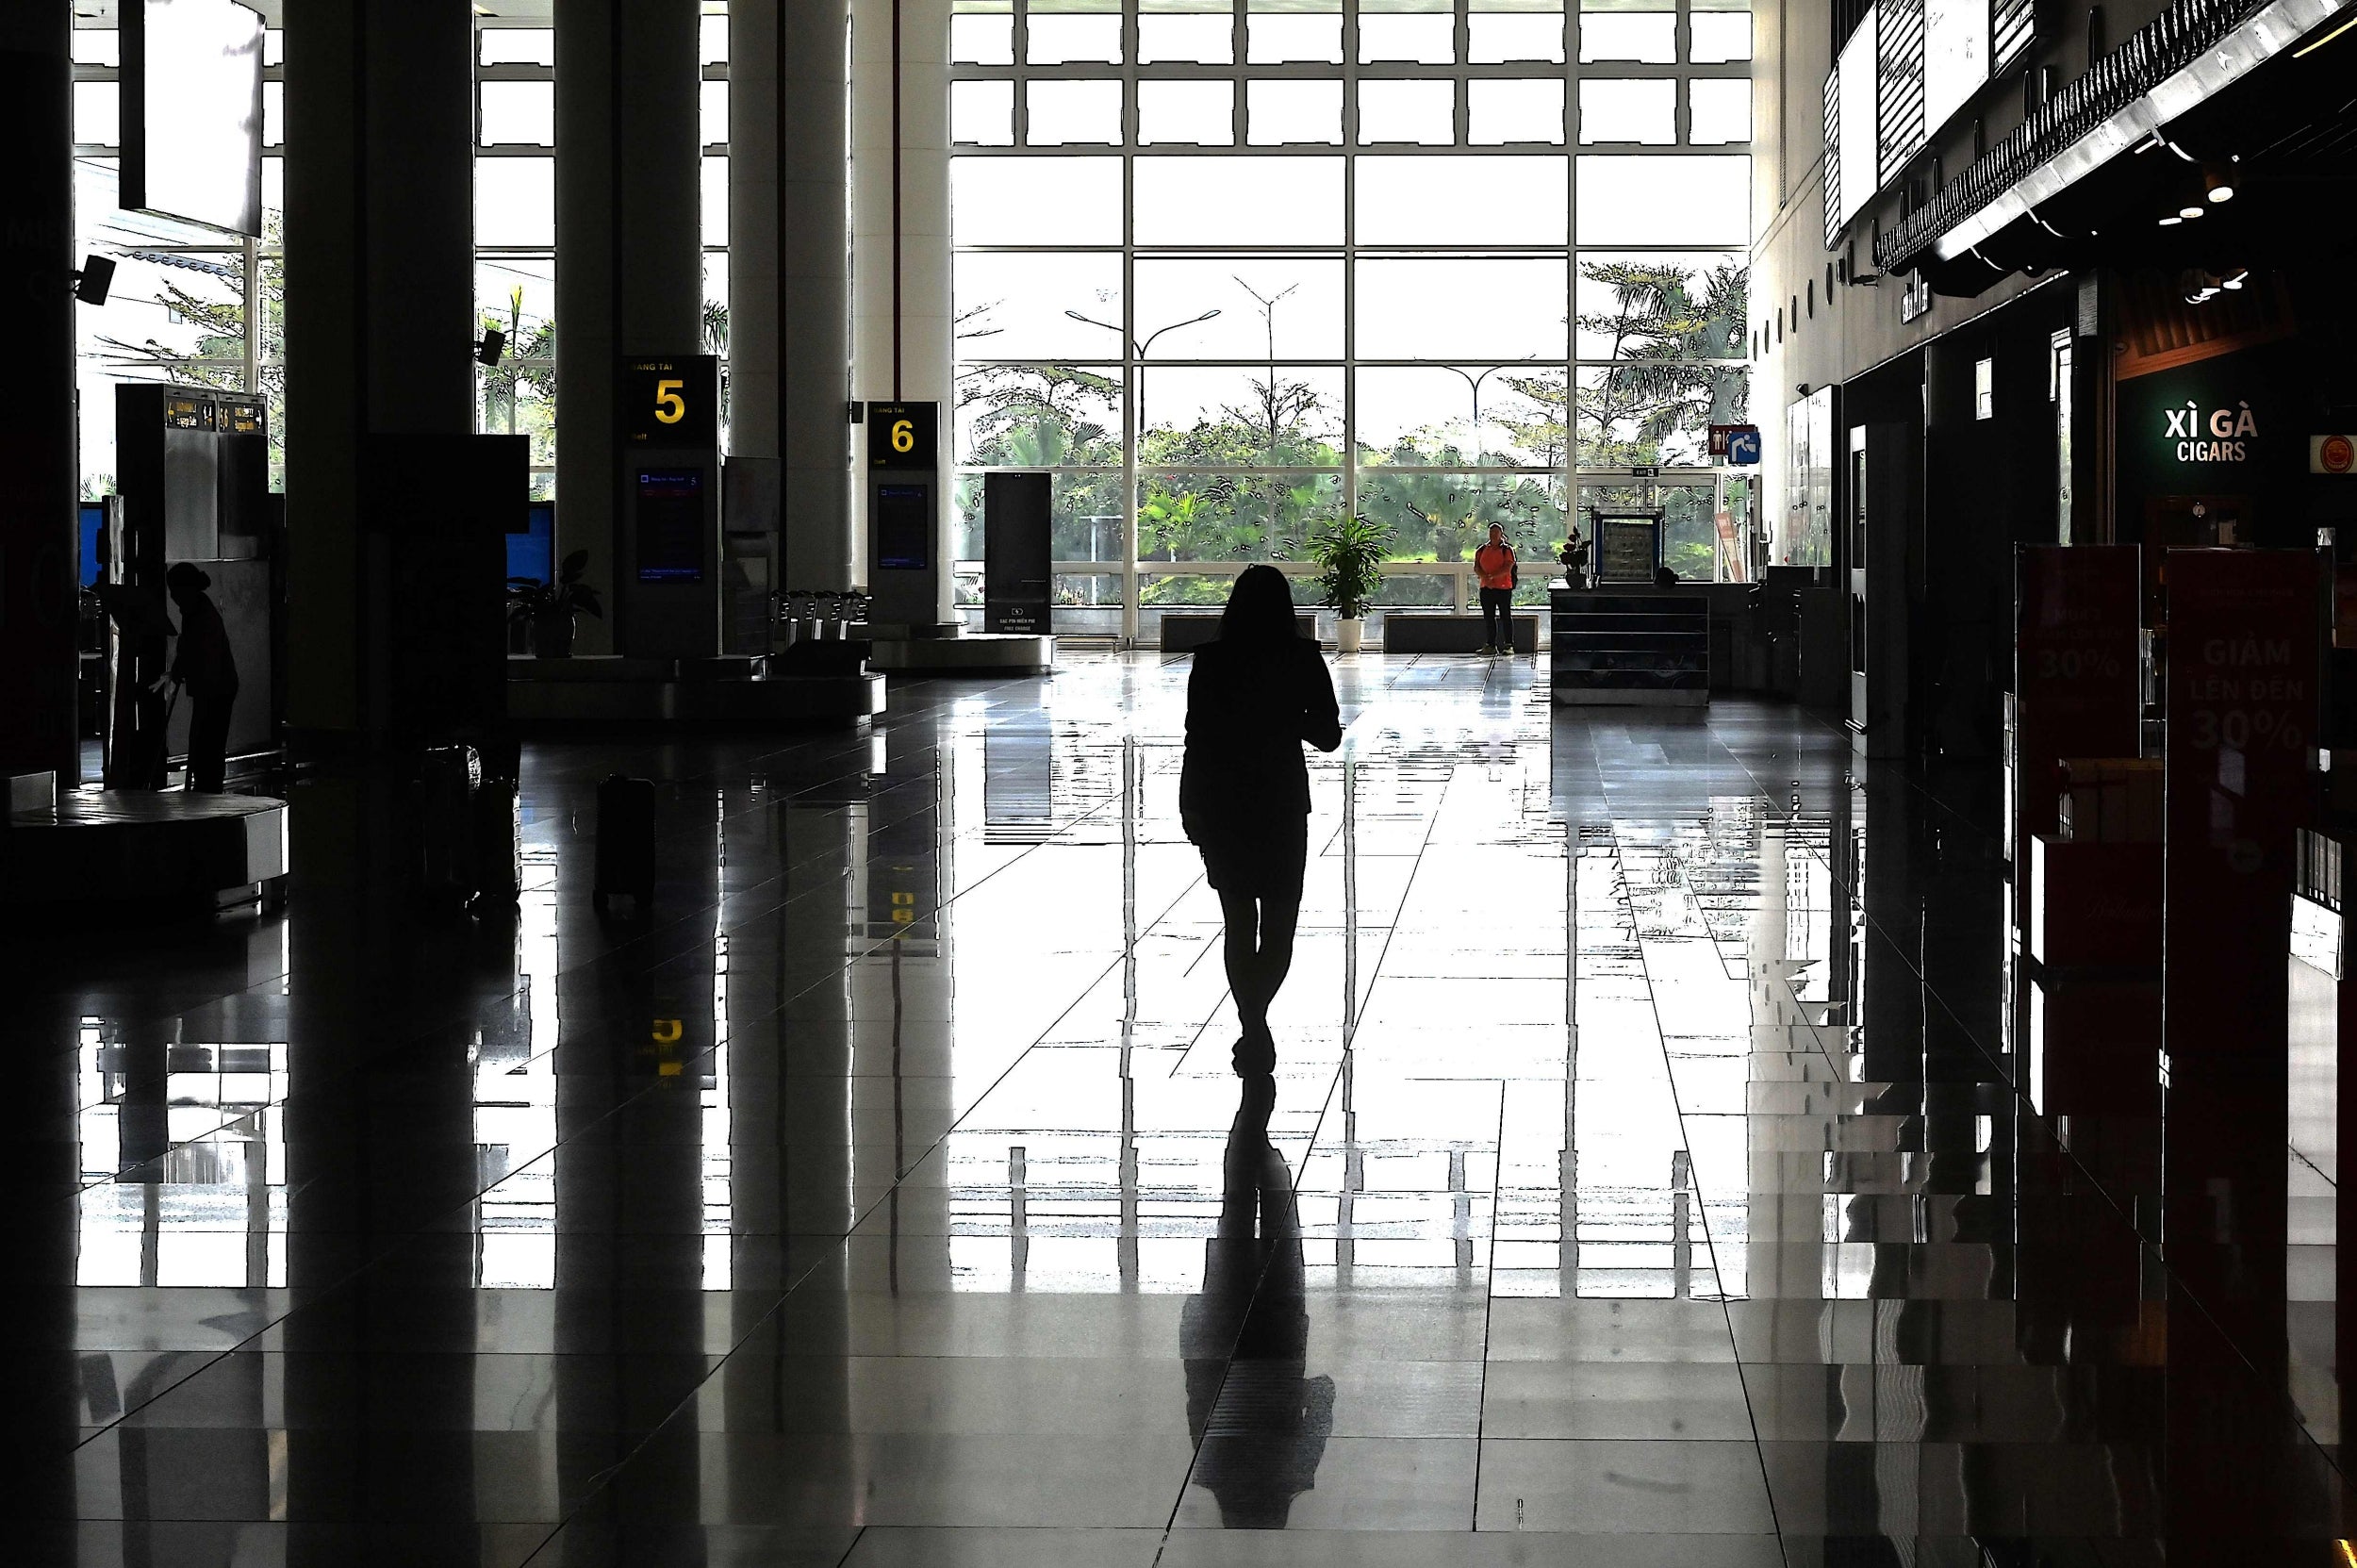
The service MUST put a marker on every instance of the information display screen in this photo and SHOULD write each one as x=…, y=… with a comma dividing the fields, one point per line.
x=92, y=520
x=671, y=526
x=1627, y=549
x=192, y=111
x=1955, y=57
x=904, y=527
x=532, y=552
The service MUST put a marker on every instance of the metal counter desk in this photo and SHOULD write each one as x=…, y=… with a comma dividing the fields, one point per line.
x=1629, y=644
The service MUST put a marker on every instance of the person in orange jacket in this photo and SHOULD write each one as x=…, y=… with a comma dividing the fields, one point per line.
x=1496, y=565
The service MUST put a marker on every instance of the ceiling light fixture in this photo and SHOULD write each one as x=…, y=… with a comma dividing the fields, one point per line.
x=2171, y=222
x=2328, y=38
x=2189, y=211
x=2217, y=184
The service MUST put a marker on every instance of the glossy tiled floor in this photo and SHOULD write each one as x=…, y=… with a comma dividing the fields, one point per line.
x=1644, y=1184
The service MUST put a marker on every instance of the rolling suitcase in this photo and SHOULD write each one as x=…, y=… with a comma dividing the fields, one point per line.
x=626, y=840
x=446, y=834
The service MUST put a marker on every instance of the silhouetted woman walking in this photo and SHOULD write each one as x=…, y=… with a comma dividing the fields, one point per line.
x=1255, y=695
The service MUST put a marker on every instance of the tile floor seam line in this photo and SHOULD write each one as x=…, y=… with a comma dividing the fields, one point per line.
x=1481, y=1393
x=1686, y=1142
x=555, y=1530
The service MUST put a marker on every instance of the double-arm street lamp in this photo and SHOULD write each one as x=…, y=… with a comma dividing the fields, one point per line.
x=1139, y=351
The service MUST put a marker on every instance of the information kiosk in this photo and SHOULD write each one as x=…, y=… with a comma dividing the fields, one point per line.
x=194, y=469
x=905, y=572
x=667, y=509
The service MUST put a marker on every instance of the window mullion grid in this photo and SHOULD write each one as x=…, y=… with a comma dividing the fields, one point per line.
x=1461, y=111
x=1020, y=34
x=1575, y=71
x=1134, y=364
x=1685, y=122
x=1239, y=122
x=1350, y=258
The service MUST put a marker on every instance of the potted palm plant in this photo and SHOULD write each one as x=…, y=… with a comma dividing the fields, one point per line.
x=1350, y=554
x=549, y=608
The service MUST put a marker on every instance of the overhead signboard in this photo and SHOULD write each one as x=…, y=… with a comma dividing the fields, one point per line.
x=1858, y=148
x=1898, y=84
x=191, y=101
x=1955, y=57
x=1736, y=443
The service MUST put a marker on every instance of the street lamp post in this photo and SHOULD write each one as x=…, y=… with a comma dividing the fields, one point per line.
x=1481, y=481
x=1142, y=348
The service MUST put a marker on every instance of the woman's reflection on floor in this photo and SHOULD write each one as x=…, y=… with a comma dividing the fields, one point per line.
x=1259, y=1425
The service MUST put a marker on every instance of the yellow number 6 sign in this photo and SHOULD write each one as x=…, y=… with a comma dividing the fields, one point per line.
x=669, y=408
x=903, y=436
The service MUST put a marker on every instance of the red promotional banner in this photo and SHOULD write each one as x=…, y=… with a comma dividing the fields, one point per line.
x=2076, y=677
x=2246, y=645
x=2246, y=638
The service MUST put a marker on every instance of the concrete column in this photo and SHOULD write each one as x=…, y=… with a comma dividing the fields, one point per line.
x=380, y=307
x=37, y=548
x=629, y=246
x=921, y=367
x=789, y=271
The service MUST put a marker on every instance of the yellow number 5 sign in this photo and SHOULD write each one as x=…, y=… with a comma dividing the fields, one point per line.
x=673, y=403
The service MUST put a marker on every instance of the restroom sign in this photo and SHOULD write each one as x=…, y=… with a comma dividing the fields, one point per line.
x=2333, y=454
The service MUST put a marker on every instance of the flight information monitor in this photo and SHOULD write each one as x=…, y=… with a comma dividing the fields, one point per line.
x=671, y=526
x=92, y=518
x=904, y=527
x=532, y=552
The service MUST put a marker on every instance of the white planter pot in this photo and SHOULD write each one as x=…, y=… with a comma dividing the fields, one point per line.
x=1348, y=630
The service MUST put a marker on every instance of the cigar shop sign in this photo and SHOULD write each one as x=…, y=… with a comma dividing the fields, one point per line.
x=2210, y=435
x=2205, y=426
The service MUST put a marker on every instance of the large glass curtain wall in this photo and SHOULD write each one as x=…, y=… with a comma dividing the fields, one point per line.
x=1231, y=271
